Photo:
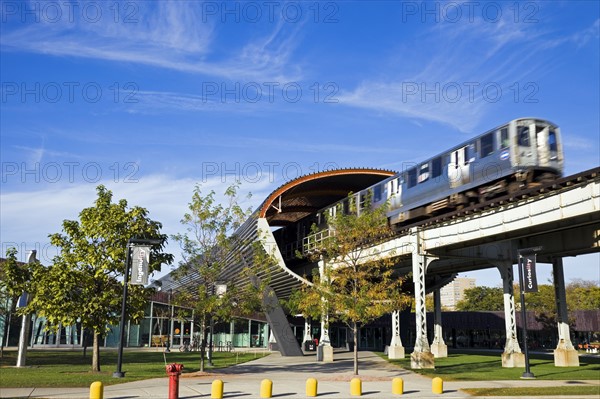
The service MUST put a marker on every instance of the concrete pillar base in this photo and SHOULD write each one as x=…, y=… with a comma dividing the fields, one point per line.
x=325, y=353
x=396, y=352
x=439, y=350
x=422, y=360
x=513, y=359
x=566, y=357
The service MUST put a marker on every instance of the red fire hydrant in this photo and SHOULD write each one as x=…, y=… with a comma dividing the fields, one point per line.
x=174, y=371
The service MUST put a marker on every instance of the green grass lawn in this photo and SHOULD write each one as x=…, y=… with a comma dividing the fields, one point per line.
x=539, y=391
x=488, y=366
x=65, y=368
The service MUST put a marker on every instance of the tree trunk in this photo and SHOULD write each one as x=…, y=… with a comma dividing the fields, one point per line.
x=355, y=334
x=203, y=342
x=96, y=353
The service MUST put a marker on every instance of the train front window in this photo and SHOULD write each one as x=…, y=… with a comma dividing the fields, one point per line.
x=523, y=136
x=552, y=141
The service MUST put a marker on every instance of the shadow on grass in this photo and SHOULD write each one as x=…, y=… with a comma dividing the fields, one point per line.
x=488, y=366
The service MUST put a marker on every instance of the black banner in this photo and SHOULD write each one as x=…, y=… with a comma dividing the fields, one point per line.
x=529, y=274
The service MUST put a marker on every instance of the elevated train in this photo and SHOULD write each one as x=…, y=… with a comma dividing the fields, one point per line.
x=521, y=153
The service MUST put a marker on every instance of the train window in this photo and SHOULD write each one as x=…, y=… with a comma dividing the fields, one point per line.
x=523, y=136
x=423, y=172
x=487, y=145
x=436, y=167
x=504, y=141
x=411, y=177
x=470, y=151
x=552, y=141
x=377, y=193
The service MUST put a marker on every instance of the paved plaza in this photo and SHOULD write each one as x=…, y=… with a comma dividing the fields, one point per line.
x=289, y=376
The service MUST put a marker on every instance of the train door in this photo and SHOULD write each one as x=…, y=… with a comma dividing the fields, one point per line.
x=527, y=153
x=458, y=168
x=543, y=149
x=396, y=193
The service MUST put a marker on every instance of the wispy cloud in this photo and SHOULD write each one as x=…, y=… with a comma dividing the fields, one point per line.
x=579, y=39
x=165, y=34
x=29, y=216
x=471, y=67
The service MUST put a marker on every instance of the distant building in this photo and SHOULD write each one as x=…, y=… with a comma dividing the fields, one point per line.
x=454, y=291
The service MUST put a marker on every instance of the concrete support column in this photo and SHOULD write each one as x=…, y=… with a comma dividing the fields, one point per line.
x=324, y=339
x=25, y=321
x=438, y=346
x=421, y=357
x=512, y=355
x=565, y=355
x=307, y=330
x=396, y=350
x=324, y=350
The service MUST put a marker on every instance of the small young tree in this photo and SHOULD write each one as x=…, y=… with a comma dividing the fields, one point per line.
x=354, y=284
x=206, y=248
x=83, y=281
x=14, y=281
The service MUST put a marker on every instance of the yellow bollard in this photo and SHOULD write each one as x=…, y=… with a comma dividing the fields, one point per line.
x=437, y=385
x=311, y=387
x=355, y=387
x=97, y=390
x=397, y=386
x=266, y=388
x=216, y=391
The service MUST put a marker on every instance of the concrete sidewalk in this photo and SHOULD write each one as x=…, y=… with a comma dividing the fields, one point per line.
x=289, y=376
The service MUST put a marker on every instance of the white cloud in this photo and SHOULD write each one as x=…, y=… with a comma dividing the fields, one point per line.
x=164, y=34
x=457, y=73
x=29, y=217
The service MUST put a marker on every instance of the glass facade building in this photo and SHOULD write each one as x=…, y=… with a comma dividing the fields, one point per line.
x=163, y=324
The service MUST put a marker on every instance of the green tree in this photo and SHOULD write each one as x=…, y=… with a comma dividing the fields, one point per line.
x=207, y=246
x=354, y=284
x=482, y=299
x=583, y=295
x=13, y=282
x=83, y=283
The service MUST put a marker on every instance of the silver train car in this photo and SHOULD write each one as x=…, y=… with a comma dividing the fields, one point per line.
x=521, y=153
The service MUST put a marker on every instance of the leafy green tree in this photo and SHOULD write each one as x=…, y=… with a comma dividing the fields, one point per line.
x=207, y=246
x=482, y=299
x=355, y=285
x=13, y=282
x=583, y=295
x=83, y=283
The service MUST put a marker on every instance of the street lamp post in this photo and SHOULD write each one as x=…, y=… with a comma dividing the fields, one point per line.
x=130, y=244
x=530, y=286
x=170, y=338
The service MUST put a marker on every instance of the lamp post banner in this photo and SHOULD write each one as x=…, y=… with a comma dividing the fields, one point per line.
x=139, y=267
x=529, y=274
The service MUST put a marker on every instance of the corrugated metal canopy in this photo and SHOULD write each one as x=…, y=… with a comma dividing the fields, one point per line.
x=307, y=194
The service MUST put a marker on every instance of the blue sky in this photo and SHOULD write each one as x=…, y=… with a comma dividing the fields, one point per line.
x=153, y=97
